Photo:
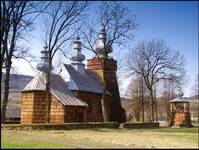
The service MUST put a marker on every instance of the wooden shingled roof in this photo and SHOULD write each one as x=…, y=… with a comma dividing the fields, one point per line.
x=88, y=81
x=58, y=88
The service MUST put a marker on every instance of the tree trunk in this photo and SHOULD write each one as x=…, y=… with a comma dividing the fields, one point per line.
x=47, y=91
x=7, y=78
x=142, y=99
x=155, y=107
x=168, y=112
x=142, y=103
x=137, y=115
x=103, y=101
x=3, y=39
x=151, y=105
x=5, y=49
x=104, y=108
x=6, y=91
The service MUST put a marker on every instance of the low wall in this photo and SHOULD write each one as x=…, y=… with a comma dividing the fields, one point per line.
x=12, y=122
x=141, y=125
x=64, y=126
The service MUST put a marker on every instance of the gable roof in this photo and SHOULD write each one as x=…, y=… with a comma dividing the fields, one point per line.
x=58, y=88
x=88, y=81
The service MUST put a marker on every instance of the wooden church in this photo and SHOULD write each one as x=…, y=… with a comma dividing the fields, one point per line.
x=76, y=90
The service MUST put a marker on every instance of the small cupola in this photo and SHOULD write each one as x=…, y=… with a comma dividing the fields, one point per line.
x=43, y=65
x=179, y=96
x=77, y=58
x=101, y=46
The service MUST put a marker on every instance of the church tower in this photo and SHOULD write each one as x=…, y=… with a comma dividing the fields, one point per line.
x=106, y=68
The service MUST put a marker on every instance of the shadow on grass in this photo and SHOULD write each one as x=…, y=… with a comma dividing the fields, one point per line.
x=104, y=130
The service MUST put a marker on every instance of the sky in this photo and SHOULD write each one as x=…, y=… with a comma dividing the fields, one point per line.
x=175, y=22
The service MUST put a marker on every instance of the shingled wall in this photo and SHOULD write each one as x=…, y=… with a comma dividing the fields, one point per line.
x=57, y=111
x=180, y=119
x=94, y=110
x=33, y=109
x=75, y=114
x=27, y=108
x=109, y=73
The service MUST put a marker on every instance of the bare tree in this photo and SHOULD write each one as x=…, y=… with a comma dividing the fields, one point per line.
x=16, y=17
x=117, y=26
x=137, y=91
x=158, y=62
x=136, y=95
x=61, y=19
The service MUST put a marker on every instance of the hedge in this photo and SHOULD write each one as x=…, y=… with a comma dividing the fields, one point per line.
x=63, y=126
x=141, y=125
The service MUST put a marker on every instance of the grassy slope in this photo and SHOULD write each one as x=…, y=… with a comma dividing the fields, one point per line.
x=102, y=138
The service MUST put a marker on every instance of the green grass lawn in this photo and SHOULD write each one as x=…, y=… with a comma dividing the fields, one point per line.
x=101, y=138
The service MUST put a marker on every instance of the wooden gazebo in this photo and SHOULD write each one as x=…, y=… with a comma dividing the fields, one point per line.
x=180, y=115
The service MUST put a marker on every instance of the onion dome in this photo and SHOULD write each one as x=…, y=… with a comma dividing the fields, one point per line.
x=43, y=65
x=100, y=46
x=78, y=56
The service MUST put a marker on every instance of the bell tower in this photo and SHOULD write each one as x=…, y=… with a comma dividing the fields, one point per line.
x=106, y=68
x=180, y=115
